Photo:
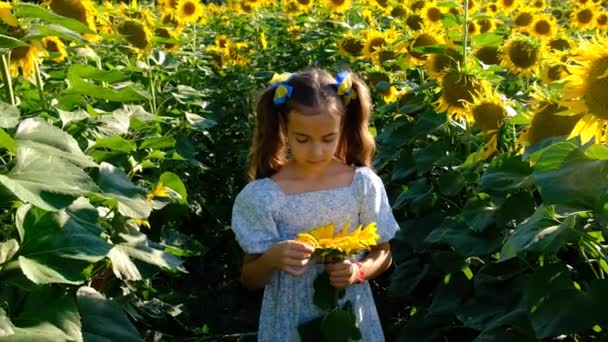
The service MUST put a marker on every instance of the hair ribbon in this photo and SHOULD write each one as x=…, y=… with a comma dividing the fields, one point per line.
x=282, y=90
x=344, y=84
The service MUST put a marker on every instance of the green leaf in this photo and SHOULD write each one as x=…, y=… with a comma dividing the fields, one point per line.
x=479, y=212
x=8, y=42
x=7, y=142
x=112, y=124
x=487, y=39
x=418, y=194
x=404, y=167
x=451, y=183
x=565, y=175
x=173, y=181
x=9, y=115
x=116, y=143
x=542, y=233
x=115, y=185
x=426, y=158
x=62, y=32
x=47, y=181
x=6, y=326
x=68, y=117
x=58, y=247
x=56, y=320
x=515, y=209
x=33, y=11
x=326, y=296
x=198, y=122
x=77, y=85
x=92, y=73
x=596, y=151
x=158, y=143
x=465, y=241
x=8, y=249
x=506, y=173
x=103, y=319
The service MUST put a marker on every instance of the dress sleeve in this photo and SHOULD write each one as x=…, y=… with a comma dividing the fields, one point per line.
x=375, y=205
x=252, y=221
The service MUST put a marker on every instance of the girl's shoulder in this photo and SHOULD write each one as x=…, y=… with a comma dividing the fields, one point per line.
x=257, y=189
x=365, y=175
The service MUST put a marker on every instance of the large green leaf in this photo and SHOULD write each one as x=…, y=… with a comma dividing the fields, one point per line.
x=116, y=143
x=464, y=240
x=48, y=314
x=78, y=85
x=565, y=175
x=8, y=249
x=59, y=247
x=9, y=115
x=116, y=186
x=506, y=173
x=7, y=142
x=6, y=326
x=46, y=180
x=102, y=319
x=93, y=73
x=479, y=212
x=34, y=11
x=427, y=157
x=8, y=42
x=173, y=181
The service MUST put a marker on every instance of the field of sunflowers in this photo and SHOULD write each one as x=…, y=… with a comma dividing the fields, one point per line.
x=124, y=132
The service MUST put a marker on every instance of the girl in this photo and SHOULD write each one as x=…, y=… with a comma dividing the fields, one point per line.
x=309, y=166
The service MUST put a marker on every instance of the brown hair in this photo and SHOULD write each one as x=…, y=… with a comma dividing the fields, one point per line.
x=314, y=92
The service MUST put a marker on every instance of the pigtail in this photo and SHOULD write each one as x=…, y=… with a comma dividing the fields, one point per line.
x=357, y=145
x=267, y=153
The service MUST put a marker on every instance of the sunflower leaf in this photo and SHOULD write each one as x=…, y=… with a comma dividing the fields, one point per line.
x=34, y=11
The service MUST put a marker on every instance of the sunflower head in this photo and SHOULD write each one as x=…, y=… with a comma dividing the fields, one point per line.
x=458, y=87
x=583, y=18
x=188, y=11
x=55, y=46
x=399, y=11
x=554, y=70
x=543, y=27
x=168, y=33
x=523, y=18
x=561, y=43
x=506, y=6
x=601, y=21
x=351, y=46
x=487, y=110
x=24, y=58
x=488, y=55
x=414, y=21
x=137, y=34
x=546, y=121
x=431, y=14
x=521, y=55
x=337, y=6
x=81, y=10
x=374, y=40
x=428, y=36
x=437, y=63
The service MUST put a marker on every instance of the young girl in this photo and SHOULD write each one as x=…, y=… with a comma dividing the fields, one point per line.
x=309, y=166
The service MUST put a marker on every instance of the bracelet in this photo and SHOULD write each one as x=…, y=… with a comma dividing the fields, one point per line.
x=361, y=276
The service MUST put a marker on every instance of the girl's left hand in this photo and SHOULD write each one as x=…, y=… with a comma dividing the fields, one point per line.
x=342, y=274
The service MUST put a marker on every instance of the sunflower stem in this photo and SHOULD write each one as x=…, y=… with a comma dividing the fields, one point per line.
x=39, y=85
x=6, y=77
x=466, y=32
x=152, y=90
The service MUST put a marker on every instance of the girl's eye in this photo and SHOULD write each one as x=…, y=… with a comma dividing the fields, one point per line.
x=329, y=140
x=301, y=141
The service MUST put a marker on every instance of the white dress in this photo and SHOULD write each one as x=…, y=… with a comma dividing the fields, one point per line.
x=264, y=215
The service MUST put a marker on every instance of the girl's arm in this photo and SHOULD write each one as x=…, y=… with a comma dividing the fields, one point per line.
x=288, y=256
x=346, y=273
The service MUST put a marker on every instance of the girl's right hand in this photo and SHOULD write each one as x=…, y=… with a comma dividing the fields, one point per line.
x=291, y=256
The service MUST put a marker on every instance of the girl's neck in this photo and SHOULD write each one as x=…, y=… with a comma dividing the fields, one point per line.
x=298, y=171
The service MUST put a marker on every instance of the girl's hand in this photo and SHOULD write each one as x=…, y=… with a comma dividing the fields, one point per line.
x=342, y=274
x=291, y=256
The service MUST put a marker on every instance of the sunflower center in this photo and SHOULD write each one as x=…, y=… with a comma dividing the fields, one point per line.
x=304, y=2
x=338, y=2
x=584, y=16
x=458, y=88
x=602, y=19
x=555, y=72
x=539, y=4
x=493, y=8
x=438, y=63
x=488, y=55
x=523, y=19
x=189, y=9
x=352, y=46
x=488, y=115
x=522, y=55
x=433, y=14
x=382, y=3
x=596, y=83
x=51, y=46
x=414, y=22
x=508, y=3
x=546, y=124
x=135, y=34
x=398, y=11
x=485, y=25
x=418, y=5
x=375, y=43
x=424, y=39
x=19, y=53
x=542, y=27
x=559, y=44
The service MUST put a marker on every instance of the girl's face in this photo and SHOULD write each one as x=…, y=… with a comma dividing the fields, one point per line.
x=313, y=139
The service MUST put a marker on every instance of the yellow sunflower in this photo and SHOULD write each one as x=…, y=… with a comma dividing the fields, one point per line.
x=351, y=46
x=55, y=46
x=538, y=4
x=488, y=55
x=485, y=25
x=304, y=5
x=437, y=63
x=374, y=40
x=414, y=21
x=583, y=18
x=416, y=5
x=188, y=11
x=428, y=36
x=521, y=55
x=25, y=58
x=137, y=34
x=585, y=91
x=543, y=27
x=169, y=33
x=458, y=88
x=81, y=10
x=6, y=16
x=399, y=11
x=507, y=6
x=523, y=18
x=337, y=6
x=547, y=121
x=381, y=83
x=560, y=43
x=601, y=21
x=431, y=14
x=487, y=110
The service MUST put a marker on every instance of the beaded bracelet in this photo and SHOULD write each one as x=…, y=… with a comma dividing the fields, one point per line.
x=361, y=276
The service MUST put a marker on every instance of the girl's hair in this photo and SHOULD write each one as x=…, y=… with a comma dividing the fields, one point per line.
x=314, y=92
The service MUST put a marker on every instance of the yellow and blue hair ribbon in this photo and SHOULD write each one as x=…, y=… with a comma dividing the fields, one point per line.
x=344, y=84
x=282, y=90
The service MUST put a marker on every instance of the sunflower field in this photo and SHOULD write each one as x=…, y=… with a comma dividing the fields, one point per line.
x=124, y=132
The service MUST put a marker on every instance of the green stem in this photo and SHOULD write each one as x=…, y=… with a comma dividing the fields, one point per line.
x=466, y=32
x=39, y=85
x=152, y=88
x=6, y=77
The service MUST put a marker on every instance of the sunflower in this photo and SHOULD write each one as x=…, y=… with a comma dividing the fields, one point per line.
x=168, y=33
x=601, y=21
x=585, y=90
x=383, y=5
x=543, y=27
x=55, y=45
x=507, y=6
x=6, y=16
x=381, y=83
x=425, y=37
x=25, y=58
x=137, y=34
x=417, y=5
x=431, y=14
x=304, y=5
x=488, y=55
x=521, y=55
x=538, y=4
x=399, y=11
x=437, y=63
x=458, y=88
x=553, y=71
x=188, y=11
x=487, y=110
x=337, y=6
x=523, y=18
x=472, y=28
x=560, y=43
x=583, y=17
x=81, y=10
x=222, y=41
x=485, y=25
x=414, y=21
x=490, y=9
x=546, y=121
x=374, y=40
